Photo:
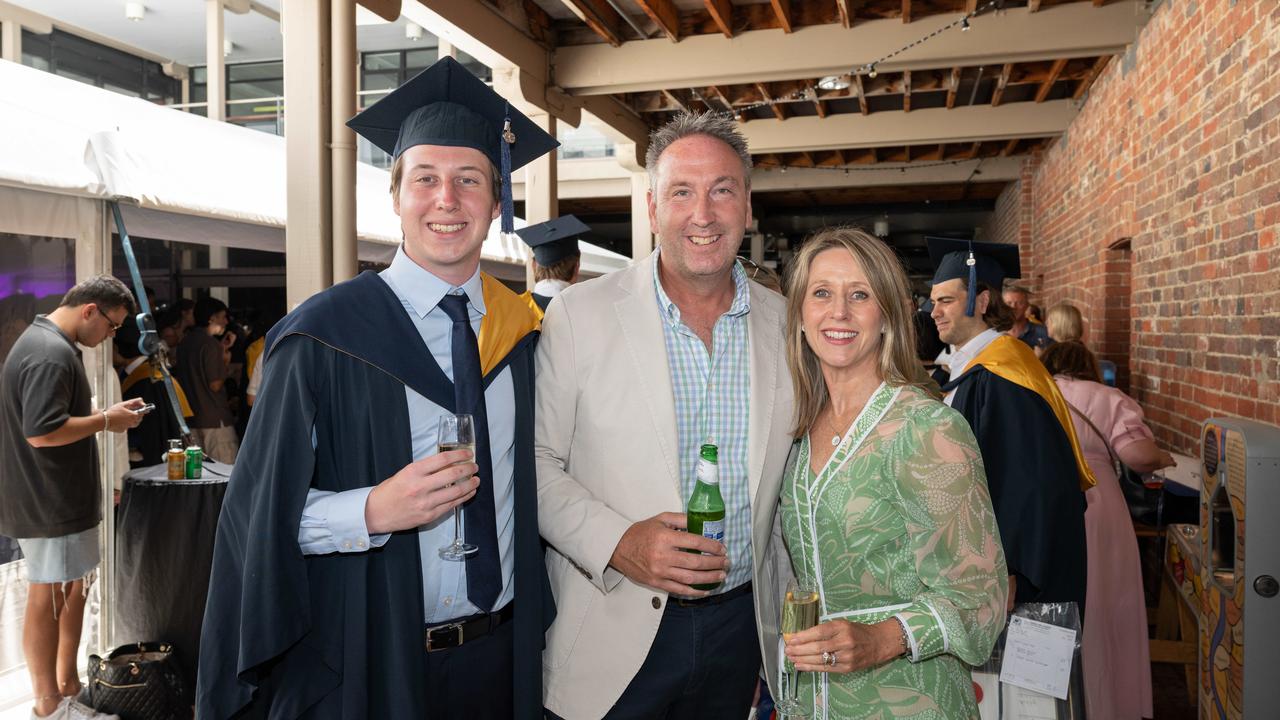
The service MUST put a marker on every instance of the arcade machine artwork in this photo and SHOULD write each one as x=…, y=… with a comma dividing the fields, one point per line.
x=1239, y=603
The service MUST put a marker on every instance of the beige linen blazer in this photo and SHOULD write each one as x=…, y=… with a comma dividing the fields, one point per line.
x=605, y=442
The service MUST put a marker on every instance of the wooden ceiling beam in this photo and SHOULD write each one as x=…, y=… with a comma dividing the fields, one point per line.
x=671, y=96
x=664, y=14
x=847, y=12
x=975, y=149
x=1043, y=93
x=875, y=155
x=953, y=86
x=1094, y=72
x=942, y=151
x=820, y=107
x=779, y=111
x=862, y=95
x=1009, y=147
x=970, y=6
x=906, y=91
x=1001, y=82
x=1033, y=5
x=840, y=159
x=600, y=16
x=906, y=11
x=1071, y=30
x=808, y=159
x=721, y=12
x=719, y=93
x=782, y=9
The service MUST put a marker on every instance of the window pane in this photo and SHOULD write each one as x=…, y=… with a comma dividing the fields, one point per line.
x=415, y=60
x=380, y=81
x=255, y=71
x=382, y=61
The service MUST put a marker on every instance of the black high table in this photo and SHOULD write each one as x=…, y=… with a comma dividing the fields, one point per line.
x=164, y=551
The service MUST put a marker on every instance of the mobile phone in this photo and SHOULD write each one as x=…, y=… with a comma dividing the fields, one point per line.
x=144, y=409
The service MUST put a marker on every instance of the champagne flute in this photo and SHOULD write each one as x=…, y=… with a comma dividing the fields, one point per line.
x=799, y=612
x=457, y=432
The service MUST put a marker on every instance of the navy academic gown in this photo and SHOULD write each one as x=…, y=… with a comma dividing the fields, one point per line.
x=1034, y=483
x=542, y=301
x=341, y=635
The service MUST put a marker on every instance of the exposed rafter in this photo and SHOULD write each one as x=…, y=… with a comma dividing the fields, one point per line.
x=906, y=11
x=926, y=126
x=1071, y=30
x=782, y=9
x=1009, y=147
x=846, y=10
x=906, y=91
x=601, y=18
x=664, y=14
x=721, y=12
x=953, y=86
x=862, y=95
x=671, y=96
x=1087, y=82
x=1001, y=82
x=1033, y=5
x=1043, y=93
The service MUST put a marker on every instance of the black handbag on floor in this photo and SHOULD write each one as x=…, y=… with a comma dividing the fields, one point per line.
x=138, y=682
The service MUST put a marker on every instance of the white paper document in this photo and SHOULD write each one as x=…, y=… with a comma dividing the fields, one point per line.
x=1037, y=656
x=1022, y=704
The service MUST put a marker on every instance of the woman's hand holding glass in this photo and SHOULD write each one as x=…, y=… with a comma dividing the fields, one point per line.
x=841, y=646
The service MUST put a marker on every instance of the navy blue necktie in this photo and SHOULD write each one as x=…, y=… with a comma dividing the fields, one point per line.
x=484, y=569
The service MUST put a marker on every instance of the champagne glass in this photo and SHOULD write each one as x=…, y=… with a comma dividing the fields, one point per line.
x=457, y=432
x=799, y=612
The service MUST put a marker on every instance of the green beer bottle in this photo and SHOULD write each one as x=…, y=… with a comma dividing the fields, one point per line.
x=706, y=507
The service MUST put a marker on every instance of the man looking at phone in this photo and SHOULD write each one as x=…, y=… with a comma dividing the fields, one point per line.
x=49, y=478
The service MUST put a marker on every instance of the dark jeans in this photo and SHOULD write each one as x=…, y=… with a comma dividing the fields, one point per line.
x=473, y=680
x=703, y=665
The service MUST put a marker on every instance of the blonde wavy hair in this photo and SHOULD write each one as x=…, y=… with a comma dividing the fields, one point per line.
x=898, y=364
x=1064, y=323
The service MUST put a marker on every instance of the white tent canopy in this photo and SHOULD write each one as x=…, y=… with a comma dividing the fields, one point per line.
x=180, y=176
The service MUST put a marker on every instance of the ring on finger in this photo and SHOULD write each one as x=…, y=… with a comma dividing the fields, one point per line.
x=827, y=658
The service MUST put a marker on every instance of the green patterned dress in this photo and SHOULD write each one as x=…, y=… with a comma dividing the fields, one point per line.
x=899, y=522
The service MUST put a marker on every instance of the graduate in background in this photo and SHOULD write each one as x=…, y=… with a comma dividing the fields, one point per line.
x=329, y=597
x=556, y=258
x=1035, y=470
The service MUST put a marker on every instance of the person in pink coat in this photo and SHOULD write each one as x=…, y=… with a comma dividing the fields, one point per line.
x=1114, y=650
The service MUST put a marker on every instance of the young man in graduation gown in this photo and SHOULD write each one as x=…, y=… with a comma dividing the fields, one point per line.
x=329, y=598
x=1034, y=467
x=556, y=258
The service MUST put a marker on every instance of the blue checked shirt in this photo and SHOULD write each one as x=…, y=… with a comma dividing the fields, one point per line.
x=712, y=397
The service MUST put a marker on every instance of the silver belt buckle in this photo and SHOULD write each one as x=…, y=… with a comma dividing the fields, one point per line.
x=452, y=631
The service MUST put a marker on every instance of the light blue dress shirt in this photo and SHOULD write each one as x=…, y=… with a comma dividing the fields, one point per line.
x=712, y=392
x=334, y=522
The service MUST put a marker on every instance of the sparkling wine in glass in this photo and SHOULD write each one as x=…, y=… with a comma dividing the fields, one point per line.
x=457, y=432
x=799, y=612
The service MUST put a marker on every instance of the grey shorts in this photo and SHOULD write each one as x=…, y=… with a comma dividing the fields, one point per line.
x=61, y=559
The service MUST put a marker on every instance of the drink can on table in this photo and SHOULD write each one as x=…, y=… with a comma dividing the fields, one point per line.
x=195, y=462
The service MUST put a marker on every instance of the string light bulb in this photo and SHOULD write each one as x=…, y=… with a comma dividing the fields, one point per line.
x=872, y=72
x=964, y=24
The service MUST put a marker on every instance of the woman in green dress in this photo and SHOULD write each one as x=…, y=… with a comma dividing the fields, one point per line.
x=885, y=503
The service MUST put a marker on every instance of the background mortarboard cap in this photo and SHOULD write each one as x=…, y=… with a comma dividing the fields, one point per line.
x=993, y=262
x=554, y=240
x=447, y=105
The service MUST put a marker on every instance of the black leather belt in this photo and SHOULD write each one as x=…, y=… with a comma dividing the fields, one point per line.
x=743, y=589
x=451, y=635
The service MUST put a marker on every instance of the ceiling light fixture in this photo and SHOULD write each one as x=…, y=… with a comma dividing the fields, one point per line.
x=834, y=82
x=134, y=11
x=881, y=227
x=227, y=46
x=413, y=31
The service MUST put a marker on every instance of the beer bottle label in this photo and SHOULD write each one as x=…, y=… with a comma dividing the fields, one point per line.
x=713, y=530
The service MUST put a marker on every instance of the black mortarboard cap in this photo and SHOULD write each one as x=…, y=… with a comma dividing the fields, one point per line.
x=975, y=262
x=554, y=240
x=447, y=105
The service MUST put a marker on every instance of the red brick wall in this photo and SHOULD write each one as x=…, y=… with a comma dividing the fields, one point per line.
x=1177, y=150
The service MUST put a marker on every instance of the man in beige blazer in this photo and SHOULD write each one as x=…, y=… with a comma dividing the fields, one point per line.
x=635, y=370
